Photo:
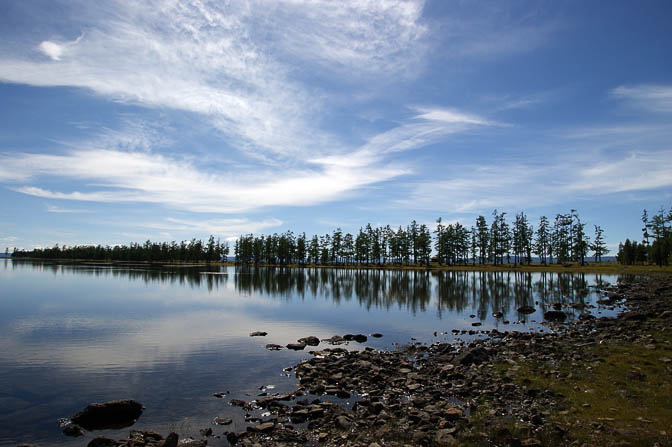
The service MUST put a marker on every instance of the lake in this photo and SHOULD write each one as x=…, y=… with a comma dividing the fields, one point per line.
x=172, y=336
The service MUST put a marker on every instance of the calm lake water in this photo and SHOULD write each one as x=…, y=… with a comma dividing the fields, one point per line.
x=170, y=337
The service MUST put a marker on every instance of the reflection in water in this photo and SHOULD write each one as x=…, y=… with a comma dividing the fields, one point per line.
x=455, y=292
x=170, y=336
x=411, y=290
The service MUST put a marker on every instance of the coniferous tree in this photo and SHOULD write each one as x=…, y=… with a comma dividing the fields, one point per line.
x=599, y=247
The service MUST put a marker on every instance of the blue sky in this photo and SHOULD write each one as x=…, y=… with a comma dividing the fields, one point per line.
x=168, y=120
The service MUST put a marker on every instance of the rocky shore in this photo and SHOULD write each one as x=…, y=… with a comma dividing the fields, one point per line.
x=587, y=382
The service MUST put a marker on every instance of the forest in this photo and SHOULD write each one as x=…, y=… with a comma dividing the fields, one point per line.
x=499, y=242
x=185, y=251
x=656, y=244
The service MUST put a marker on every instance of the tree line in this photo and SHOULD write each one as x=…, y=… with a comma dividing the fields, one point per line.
x=656, y=244
x=189, y=251
x=562, y=240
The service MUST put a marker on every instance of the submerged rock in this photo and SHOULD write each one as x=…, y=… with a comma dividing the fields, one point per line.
x=526, y=310
x=102, y=442
x=555, y=315
x=310, y=341
x=112, y=414
x=258, y=334
x=273, y=347
x=73, y=430
x=359, y=338
x=296, y=346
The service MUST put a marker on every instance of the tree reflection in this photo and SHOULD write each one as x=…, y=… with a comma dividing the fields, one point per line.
x=413, y=290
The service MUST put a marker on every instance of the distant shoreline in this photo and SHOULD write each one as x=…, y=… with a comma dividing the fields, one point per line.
x=606, y=267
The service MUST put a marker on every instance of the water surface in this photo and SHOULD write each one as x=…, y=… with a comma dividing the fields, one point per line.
x=172, y=336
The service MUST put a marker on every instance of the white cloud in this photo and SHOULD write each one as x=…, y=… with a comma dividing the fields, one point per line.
x=429, y=125
x=116, y=176
x=51, y=49
x=59, y=210
x=655, y=98
x=226, y=228
x=506, y=185
x=231, y=62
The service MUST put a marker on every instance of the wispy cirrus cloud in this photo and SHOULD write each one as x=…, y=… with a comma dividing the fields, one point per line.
x=540, y=182
x=233, y=63
x=60, y=210
x=124, y=171
x=654, y=98
x=226, y=228
x=429, y=125
x=117, y=177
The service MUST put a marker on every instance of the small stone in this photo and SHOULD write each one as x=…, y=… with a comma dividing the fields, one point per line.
x=310, y=341
x=222, y=421
x=343, y=422
x=258, y=334
x=73, y=430
x=296, y=346
x=102, y=442
x=171, y=440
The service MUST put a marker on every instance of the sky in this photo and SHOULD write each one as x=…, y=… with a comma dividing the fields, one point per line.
x=124, y=121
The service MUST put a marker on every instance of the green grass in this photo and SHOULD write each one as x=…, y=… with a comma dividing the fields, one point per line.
x=617, y=394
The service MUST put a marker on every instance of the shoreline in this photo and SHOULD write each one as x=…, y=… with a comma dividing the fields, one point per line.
x=606, y=267
x=599, y=381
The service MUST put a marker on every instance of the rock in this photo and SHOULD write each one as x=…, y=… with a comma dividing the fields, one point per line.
x=477, y=323
x=193, y=443
x=112, y=414
x=444, y=437
x=526, y=310
x=258, y=334
x=360, y=338
x=335, y=340
x=474, y=356
x=296, y=346
x=232, y=437
x=497, y=314
x=343, y=422
x=555, y=315
x=206, y=432
x=265, y=427
x=273, y=347
x=220, y=394
x=102, y=442
x=222, y=421
x=310, y=341
x=171, y=440
x=376, y=335
x=73, y=430
x=452, y=414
